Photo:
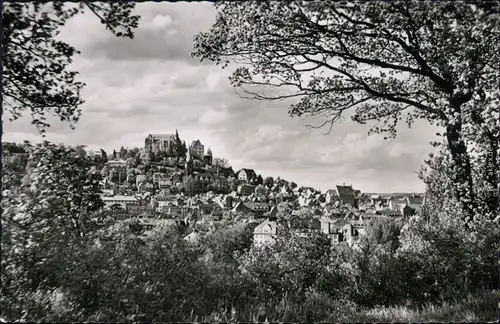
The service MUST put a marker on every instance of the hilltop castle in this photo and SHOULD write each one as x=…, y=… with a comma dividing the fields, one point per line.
x=155, y=143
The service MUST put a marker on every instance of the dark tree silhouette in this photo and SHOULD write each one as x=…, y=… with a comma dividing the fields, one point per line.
x=382, y=62
x=36, y=73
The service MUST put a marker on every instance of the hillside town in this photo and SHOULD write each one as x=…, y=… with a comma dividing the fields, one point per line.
x=227, y=162
x=169, y=181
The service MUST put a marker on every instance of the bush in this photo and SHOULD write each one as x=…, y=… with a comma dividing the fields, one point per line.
x=113, y=274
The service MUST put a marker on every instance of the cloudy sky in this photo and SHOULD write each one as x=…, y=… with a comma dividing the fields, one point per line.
x=151, y=85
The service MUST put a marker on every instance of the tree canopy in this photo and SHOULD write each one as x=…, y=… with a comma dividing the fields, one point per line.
x=37, y=77
x=382, y=62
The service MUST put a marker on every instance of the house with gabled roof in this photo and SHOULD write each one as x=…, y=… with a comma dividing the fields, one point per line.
x=410, y=210
x=265, y=233
x=346, y=194
x=415, y=199
x=259, y=209
x=395, y=203
x=415, y=202
x=197, y=149
x=246, y=175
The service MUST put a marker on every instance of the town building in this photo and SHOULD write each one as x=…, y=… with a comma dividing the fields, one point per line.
x=346, y=195
x=119, y=200
x=208, y=158
x=197, y=149
x=257, y=209
x=116, y=164
x=137, y=209
x=265, y=233
x=331, y=196
x=220, y=184
x=155, y=143
x=246, y=175
x=260, y=190
x=246, y=189
x=176, y=178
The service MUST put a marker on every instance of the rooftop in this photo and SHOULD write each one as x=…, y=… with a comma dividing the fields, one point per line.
x=119, y=197
x=162, y=136
x=345, y=191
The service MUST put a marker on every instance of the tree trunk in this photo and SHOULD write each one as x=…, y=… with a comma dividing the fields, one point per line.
x=491, y=176
x=490, y=202
x=463, y=174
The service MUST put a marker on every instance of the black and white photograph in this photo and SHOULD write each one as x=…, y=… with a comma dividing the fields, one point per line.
x=250, y=161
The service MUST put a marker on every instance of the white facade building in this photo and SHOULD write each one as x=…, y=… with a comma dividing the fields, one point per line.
x=265, y=233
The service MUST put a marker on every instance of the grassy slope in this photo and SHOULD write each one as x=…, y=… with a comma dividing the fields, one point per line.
x=479, y=308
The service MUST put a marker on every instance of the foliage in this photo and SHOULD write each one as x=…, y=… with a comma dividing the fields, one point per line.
x=224, y=278
x=383, y=62
x=460, y=261
x=184, y=148
x=123, y=153
x=269, y=181
x=383, y=233
x=13, y=148
x=442, y=202
x=180, y=147
x=58, y=204
x=223, y=163
x=62, y=183
x=291, y=267
x=36, y=74
x=228, y=244
x=471, y=308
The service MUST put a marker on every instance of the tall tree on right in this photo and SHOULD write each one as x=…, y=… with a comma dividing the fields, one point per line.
x=379, y=61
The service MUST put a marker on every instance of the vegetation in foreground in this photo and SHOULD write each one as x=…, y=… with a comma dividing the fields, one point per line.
x=473, y=308
x=68, y=262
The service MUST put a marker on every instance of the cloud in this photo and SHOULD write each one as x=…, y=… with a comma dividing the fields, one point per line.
x=214, y=117
x=161, y=21
x=151, y=85
x=165, y=32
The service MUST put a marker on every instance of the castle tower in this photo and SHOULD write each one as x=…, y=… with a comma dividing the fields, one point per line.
x=208, y=159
